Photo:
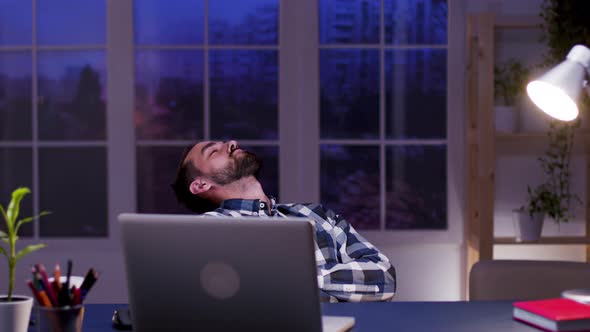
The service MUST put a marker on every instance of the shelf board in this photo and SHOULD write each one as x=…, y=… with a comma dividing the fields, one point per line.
x=518, y=22
x=580, y=133
x=545, y=240
x=537, y=142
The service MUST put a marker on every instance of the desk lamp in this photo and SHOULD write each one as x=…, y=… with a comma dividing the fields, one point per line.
x=556, y=93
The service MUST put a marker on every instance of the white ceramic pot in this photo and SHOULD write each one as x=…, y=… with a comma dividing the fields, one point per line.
x=15, y=315
x=505, y=119
x=528, y=228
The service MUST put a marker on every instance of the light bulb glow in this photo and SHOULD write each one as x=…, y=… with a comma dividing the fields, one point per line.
x=552, y=100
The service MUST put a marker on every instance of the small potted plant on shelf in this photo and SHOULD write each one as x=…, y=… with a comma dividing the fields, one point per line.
x=510, y=79
x=15, y=310
x=552, y=198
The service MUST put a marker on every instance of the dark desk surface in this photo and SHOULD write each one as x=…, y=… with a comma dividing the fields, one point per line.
x=392, y=316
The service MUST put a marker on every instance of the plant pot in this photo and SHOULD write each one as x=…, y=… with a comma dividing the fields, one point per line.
x=15, y=315
x=528, y=228
x=505, y=119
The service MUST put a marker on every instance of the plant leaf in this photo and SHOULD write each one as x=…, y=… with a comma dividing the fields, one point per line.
x=29, y=219
x=29, y=249
x=4, y=237
x=3, y=213
x=14, y=207
x=3, y=251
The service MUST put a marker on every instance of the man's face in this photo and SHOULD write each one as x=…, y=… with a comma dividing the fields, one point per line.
x=223, y=162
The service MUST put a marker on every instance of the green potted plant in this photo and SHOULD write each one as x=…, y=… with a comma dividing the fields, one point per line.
x=553, y=197
x=510, y=79
x=15, y=311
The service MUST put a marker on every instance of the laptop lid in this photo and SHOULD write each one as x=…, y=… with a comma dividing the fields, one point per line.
x=217, y=274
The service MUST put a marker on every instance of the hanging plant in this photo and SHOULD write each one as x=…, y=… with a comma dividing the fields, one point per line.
x=565, y=24
x=554, y=196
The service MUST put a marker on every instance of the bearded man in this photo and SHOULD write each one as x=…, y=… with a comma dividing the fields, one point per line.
x=220, y=179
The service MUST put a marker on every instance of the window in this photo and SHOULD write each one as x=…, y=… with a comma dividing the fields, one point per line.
x=205, y=70
x=52, y=113
x=210, y=70
x=383, y=112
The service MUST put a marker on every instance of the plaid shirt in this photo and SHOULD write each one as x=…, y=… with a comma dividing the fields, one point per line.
x=349, y=267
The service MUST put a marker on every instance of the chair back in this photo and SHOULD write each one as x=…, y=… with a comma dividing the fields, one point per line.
x=525, y=279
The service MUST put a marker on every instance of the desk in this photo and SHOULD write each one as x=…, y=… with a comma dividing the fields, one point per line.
x=392, y=316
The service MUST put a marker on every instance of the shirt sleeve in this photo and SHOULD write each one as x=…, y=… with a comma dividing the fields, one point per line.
x=360, y=272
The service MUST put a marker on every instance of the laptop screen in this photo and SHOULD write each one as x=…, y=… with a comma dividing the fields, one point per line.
x=214, y=273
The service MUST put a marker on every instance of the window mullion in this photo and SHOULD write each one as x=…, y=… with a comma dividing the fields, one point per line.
x=120, y=105
x=299, y=101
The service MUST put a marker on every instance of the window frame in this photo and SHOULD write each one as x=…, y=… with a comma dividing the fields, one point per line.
x=299, y=142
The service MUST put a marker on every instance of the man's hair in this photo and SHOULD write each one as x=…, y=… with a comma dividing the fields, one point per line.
x=185, y=175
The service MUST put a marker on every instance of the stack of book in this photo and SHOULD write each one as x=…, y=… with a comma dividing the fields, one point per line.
x=559, y=314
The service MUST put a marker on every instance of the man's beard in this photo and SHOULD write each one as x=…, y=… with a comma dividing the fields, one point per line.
x=245, y=165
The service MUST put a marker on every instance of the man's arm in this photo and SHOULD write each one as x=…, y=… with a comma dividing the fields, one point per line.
x=360, y=272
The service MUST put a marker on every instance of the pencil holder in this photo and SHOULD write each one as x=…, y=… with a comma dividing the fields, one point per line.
x=62, y=319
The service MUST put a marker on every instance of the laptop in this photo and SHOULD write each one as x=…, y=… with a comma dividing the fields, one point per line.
x=188, y=272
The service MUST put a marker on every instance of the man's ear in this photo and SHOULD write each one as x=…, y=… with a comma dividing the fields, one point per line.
x=199, y=186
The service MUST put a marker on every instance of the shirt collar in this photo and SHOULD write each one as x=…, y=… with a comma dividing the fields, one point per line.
x=249, y=206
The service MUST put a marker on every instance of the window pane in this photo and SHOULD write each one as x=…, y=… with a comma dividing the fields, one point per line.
x=269, y=172
x=416, y=94
x=243, y=22
x=16, y=170
x=344, y=21
x=169, y=94
x=74, y=187
x=244, y=89
x=71, y=95
x=349, y=177
x=15, y=22
x=169, y=22
x=416, y=190
x=15, y=96
x=349, y=94
x=415, y=21
x=156, y=169
x=71, y=22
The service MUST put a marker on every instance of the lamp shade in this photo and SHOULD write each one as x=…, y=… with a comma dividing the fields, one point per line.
x=557, y=91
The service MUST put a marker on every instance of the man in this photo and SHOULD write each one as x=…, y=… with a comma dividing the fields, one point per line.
x=219, y=179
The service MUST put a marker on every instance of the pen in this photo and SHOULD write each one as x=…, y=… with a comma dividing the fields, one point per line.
x=48, y=289
x=88, y=282
x=44, y=299
x=77, y=299
x=64, y=294
x=37, y=283
x=69, y=273
x=35, y=292
x=55, y=287
x=57, y=275
x=47, y=286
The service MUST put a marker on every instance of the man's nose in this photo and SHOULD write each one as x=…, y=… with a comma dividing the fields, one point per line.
x=231, y=145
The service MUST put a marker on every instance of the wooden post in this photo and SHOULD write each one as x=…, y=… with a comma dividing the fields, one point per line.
x=480, y=140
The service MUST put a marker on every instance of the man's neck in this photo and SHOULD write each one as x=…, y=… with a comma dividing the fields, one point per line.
x=245, y=188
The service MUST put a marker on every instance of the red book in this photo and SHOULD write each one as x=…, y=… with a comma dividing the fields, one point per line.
x=558, y=314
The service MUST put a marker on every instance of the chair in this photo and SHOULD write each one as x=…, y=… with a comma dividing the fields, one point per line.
x=525, y=279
